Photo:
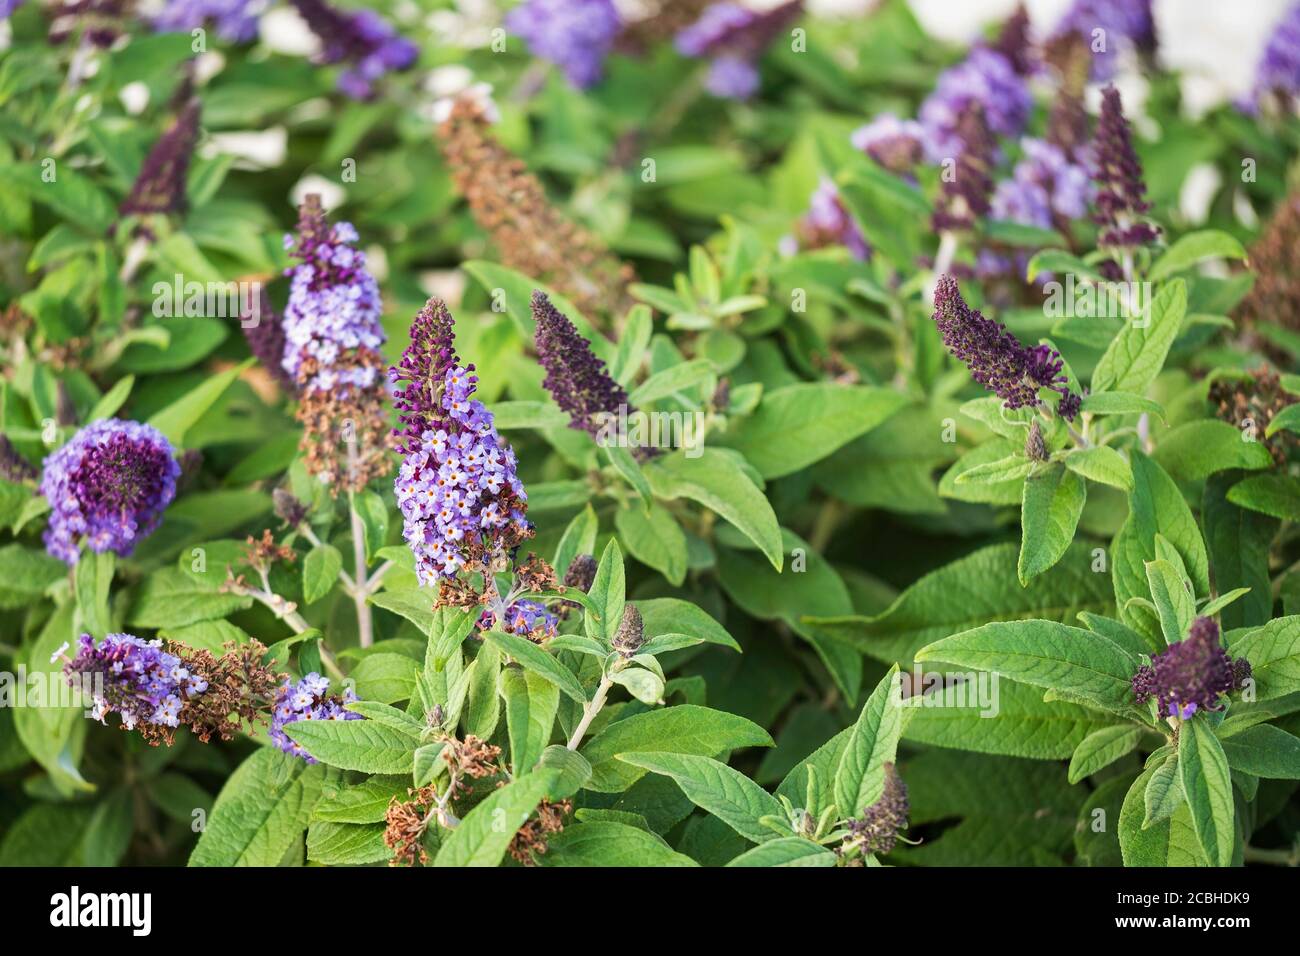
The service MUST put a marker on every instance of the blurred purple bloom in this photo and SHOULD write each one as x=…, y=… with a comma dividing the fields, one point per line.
x=896, y=144
x=309, y=699
x=1107, y=26
x=108, y=484
x=575, y=35
x=137, y=679
x=1277, y=77
x=828, y=223
x=984, y=77
x=236, y=20
x=1044, y=185
x=160, y=186
x=1192, y=674
x=734, y=38
x=334, y=305
x=7, y=7
x=362, y=39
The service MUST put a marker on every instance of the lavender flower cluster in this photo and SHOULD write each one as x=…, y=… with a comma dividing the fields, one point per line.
x=1108, y=27
x=996, y=358
x=108, y=484
x=528, y=619
x=985, y=77
x=1277, y=76
x=334, y=306
x=236, y=20
x=140, y=681
x=576, y=35
x=733, y=38
x=896, y=144
x=1192, y=674
x=1044, y=185
x=362, y=39
x=309, y=699
x=461, y=500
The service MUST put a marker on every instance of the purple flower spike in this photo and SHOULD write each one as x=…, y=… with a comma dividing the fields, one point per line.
x=996, y=358
x=876, y=831
x=146, y=686
x=362, y=39
x=1117, y=171
x=309, y=699
x=575, y=377
x=1044, y=186
x=734, y=38
x=334, y=307
x=462, y=503
x=236, y=20
x=160, y=186
x=575, y=35
x=987, y=78
x=110, y=485
x=1277, y=77
x=1192, y=674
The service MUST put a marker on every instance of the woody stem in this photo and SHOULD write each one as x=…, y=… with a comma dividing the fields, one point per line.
x=590, y=711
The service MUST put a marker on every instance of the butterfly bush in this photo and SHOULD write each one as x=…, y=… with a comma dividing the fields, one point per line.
x=575, y=377
x=141, y=682
x=986, y=78
x=306, y=699
x=361, y=39
x=1277, y=75
x=576, y=35
x=1191, y=675
x=732, y=38
x=109, y=485
x=1109, y=26
x=235, y=20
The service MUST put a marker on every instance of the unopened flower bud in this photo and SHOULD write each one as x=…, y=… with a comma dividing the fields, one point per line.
x=1035, y=447
x=581, y=572
x=631, y=632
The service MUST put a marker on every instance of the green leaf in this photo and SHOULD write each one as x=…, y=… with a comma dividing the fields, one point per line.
x=535, y=659
x=1080, y=663
x=654, y=538
x=685, y=729
x=485, y=833
x=25, y=574
x=346, y=844
x=786, y=851
x=860, y=777
x=484, y=698
x=1264, y=751
x=180, y=416
x=646, y=686
x=627, y=466
x=669, y=381
x=1164, y=792
x=1050, y=509
x=1100, y=749
x=800, y=424
x=1193, y=248
x=607, y=594
x=414, y=604
x=1196, y=450
x=508, y=415
x=1203, y=769
x=1274, y=654
x=607, y=843
x=262, y=809
x=93, y=577
x=717, y=789
x=170, y=599
x=1102, y=464
x=385, y=678
x=365, y=802
x=1121, y=403
x=320, y=572
x=531, y=704
x=1275, y=495
x=1171, y=593
x=678, y=620
x=579, y=538
x=1137, y=353
x=364, y=745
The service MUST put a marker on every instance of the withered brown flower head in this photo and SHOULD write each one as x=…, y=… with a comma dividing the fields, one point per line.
x=1275, y=256
x=536, y=574
x=471, y=757
x=530, y=840
x=261, y=553
x=346, y=436
x=406, y=822
x=530, y=234
x=1252, y=402
x=1067, y=121
x=239, y=689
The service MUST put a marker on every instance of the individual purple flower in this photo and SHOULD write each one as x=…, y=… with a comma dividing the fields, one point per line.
x=462, y=503
x=1108, y=27
x=876, y=831
x=160, y=186
x=987, y=78
x=334, y=306
x=1277, y=75
x=362, y=39
x=138, y=680
x=733, y=38
x=896, y=144
x=828, y=223
x=308, y=699
x=1192, y=674
x=109, y=484
x=996, y=358
x=1117, y=172
x=524, y=618
x=236, y=20
x=575, y=35
x=575, y=377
